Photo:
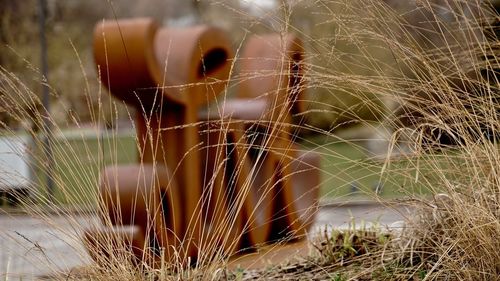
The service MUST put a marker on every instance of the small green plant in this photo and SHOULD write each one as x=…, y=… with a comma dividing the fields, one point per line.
x=338, y=277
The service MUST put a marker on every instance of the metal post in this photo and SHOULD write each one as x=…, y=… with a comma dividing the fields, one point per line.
x=45, y=101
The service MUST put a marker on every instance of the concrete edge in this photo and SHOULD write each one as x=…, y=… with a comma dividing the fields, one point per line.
x=59, y=211
x=383, y=202
x=88, y=210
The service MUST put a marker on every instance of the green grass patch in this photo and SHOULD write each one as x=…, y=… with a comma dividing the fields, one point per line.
x=79, y=160
x=347, y=171
x=350, y=172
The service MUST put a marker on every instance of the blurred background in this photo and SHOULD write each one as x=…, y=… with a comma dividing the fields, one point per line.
x=341, y=48
x=330, y=42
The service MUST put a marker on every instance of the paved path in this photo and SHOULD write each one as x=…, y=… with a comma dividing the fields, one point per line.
x=31, y=247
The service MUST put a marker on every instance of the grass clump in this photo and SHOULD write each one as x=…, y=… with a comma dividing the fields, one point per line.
x=434, y=68
x=444, y=79
x=448, y=238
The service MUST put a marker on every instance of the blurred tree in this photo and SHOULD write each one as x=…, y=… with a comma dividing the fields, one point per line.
x=329, y=29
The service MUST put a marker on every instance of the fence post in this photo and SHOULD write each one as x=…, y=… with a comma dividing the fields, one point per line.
x=42, y=5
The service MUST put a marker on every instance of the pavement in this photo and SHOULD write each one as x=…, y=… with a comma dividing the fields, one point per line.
x=32, y=247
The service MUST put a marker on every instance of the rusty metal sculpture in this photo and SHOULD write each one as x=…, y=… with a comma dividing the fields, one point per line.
x=208, y=182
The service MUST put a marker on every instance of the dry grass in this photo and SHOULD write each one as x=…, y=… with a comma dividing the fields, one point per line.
x=434, y=70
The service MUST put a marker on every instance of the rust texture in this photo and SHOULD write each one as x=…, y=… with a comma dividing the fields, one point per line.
x=208, y=183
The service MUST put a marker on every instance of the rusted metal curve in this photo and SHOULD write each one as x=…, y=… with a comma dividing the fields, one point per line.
x=239, y=188
x=195, y=61
x=295, y=181
x=174, y=71
x=251, y=171
x=260, y=202
x=124, y=54
x=220, y=189
x=292, y=179
x=271, y=67
x=275, y=204
x=255, y=170
x=300, y=195
x=139, y=62
x=146, y=196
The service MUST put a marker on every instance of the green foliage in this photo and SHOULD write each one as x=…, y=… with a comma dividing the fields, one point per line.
x=338, y=277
